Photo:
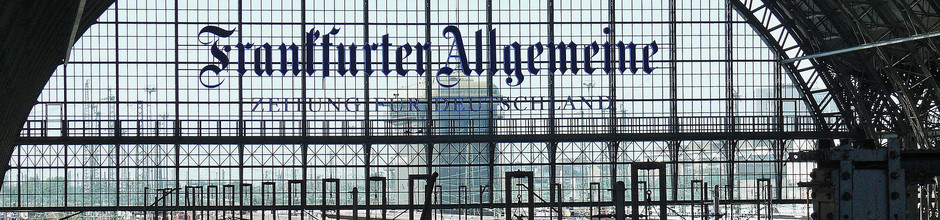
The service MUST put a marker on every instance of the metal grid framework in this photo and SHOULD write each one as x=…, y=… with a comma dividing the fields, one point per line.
x=127, y=125
x=894, y=93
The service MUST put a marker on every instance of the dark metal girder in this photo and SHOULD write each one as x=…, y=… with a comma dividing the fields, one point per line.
x=31, y=47
x=912, y=122
x=842, y=20
x=350, y=207
x=864, y=87
x=844, y=91
x=792, y=70
x=915, y=59
x=435, y=138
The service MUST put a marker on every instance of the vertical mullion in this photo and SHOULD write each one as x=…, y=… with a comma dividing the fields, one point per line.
x=780, y=143
x=304, y=126
x=491, y=129
x=729, y=99
x=19, y=177
x=612, y=124
x=65, y=127
x=117, y=106
x=65, y=162
x=429, y=123
x=241, y=116
x=553, y=145
x=368, y=122
x=65, y=133
x=177, y=128
x=673, y=144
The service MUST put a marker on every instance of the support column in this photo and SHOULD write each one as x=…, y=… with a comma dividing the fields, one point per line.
x=117, y=107
x=779, y=144
x=673, y=144
x=177, y=124
x=367, y=147
x=428, y=92
x=619, y=197
x=491, y=119
x=554, y=194
x=304, y=124
x=731, y=145
x=612, y=146
x=241, y=116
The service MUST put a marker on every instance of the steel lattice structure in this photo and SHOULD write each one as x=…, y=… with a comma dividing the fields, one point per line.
x=894, y=91
x=130, y=128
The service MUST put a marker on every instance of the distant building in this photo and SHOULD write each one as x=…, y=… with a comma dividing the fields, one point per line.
x=460, y=110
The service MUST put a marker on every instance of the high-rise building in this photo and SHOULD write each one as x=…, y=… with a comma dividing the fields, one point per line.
x=464, y=109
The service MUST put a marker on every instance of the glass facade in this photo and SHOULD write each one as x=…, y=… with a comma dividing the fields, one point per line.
x=315, y=106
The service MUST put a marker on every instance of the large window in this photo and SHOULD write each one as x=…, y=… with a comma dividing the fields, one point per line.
x=161, y=101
